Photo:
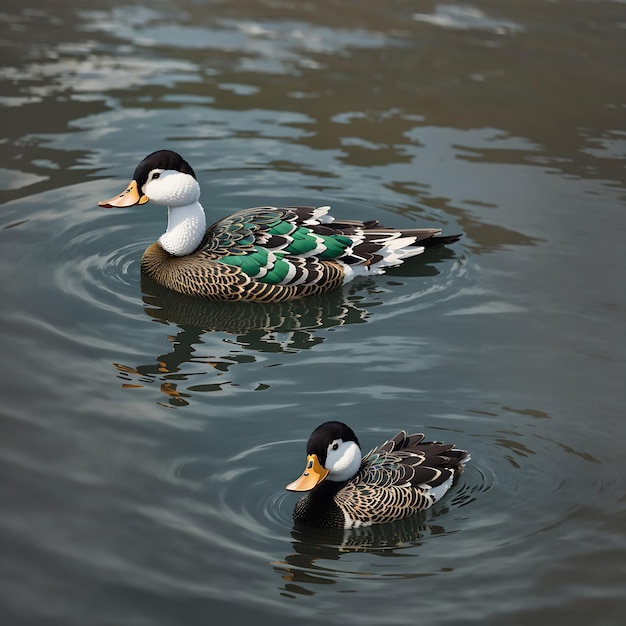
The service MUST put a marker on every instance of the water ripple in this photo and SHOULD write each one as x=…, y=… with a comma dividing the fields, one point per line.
x=94, y=267
x=250, y=496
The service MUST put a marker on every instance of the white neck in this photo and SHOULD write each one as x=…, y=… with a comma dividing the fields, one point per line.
x=186, y=226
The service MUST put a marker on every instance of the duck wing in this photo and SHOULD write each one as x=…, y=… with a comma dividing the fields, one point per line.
x=277, y=246
x=295, y=245
x=402, y=476
x=296, y=231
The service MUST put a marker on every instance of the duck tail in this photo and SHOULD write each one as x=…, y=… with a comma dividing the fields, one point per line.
x=439, y=241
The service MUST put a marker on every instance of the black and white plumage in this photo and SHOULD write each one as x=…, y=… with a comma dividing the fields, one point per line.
x=399, y=478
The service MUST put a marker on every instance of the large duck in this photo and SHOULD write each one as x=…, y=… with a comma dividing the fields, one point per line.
x=264, y=254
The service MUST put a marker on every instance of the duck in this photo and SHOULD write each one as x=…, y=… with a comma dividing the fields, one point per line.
x=402, y=476
x=264, y=254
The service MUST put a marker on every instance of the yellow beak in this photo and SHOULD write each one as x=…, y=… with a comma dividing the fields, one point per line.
x=313, y=475
x=129, y=197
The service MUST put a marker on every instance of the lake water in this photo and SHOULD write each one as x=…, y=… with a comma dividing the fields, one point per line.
x=146, y=438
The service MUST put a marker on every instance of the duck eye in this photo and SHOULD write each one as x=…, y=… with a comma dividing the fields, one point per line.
x=156, y=175
x=335, y=446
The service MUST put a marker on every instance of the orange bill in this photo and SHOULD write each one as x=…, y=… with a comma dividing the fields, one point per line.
x=312, y=475
x=129, y=197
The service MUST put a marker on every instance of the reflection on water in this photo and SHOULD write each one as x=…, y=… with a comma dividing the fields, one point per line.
x=461, y=17
x=249, y=330
x=316, y=559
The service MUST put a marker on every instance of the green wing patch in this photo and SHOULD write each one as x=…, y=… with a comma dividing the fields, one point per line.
x=250, y=263
x=336, y=245
x=253, y=264
x=278, y=273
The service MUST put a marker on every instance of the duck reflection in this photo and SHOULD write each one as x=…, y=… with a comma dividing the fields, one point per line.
x=251, y=328
x=256, y=324
x=315, y=551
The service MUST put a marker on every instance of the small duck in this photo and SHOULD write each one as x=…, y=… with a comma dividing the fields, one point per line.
x=402, y=476
x=265, y=254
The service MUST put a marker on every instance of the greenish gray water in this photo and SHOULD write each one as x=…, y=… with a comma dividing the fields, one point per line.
x=146, y=438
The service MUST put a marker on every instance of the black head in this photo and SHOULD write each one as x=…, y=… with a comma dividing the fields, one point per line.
x=161, y=159
x=326, y=433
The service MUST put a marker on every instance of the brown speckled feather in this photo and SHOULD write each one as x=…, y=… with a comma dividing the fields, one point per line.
x=395, y=479
x=201, y=275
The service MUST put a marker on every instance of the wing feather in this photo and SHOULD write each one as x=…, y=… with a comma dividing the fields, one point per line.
x=306, y=237
x=395, y=479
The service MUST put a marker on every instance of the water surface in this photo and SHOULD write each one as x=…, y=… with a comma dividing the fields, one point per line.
x=147, y=437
